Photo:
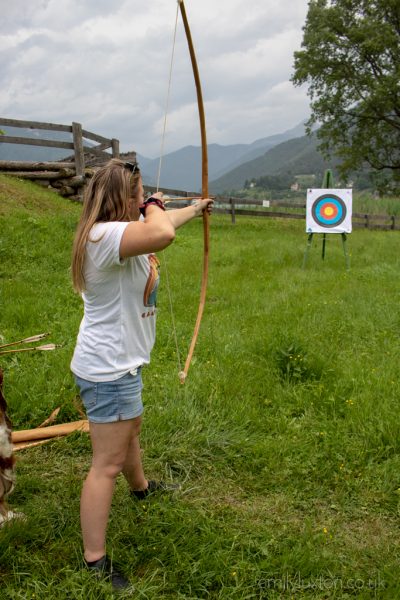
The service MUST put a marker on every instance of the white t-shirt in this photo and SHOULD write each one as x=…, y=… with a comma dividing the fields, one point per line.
x=117, y=332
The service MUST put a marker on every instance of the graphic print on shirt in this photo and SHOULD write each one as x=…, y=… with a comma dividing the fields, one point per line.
x=150, y=291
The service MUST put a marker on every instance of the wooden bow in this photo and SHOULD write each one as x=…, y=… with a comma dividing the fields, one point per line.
x=204, y=191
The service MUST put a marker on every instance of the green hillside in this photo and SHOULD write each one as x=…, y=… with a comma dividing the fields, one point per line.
x=298, y=156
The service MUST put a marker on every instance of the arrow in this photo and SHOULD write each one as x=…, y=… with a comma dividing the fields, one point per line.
x=28, y=340
x=44, y=348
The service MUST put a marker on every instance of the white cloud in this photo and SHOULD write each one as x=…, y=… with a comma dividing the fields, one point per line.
x=106, y=65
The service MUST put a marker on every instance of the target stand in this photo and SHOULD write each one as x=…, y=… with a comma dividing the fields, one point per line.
x=328, y=211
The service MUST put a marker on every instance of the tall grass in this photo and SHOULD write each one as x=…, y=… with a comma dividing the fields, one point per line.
x=386, y=205
x=285, y=435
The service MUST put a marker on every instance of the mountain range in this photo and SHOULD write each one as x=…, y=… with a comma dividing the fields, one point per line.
x=182, y=169
x=297, y=156
x=229, y=165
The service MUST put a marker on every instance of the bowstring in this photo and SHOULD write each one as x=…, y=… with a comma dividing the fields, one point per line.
x=171, y=309
x=167, y=99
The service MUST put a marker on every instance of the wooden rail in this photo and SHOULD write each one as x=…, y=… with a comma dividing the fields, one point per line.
x=251, y=207
x=76, y=145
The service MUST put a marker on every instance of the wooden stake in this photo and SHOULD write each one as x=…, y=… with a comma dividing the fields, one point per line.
x=41, y=433
x=51, y=418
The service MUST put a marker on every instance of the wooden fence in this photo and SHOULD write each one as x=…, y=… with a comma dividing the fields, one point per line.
x=295, y=210
x=77, y=144
x=252, y=207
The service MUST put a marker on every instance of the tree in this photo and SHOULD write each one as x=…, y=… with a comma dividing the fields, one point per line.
x=350, y=58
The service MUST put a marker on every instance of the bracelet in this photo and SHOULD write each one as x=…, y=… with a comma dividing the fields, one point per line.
x=149, y=201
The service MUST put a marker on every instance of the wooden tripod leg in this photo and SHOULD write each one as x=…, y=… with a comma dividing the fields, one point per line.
x=309, y=242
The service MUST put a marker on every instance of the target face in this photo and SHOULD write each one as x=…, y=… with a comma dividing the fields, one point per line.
x=329, y=211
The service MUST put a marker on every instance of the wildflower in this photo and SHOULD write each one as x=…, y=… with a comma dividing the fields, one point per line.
x=234, y=574
x=325, y=530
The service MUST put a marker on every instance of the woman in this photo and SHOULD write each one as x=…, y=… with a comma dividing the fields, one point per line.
x=116, y=271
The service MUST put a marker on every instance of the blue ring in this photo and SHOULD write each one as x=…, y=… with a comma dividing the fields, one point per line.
x=318, y=206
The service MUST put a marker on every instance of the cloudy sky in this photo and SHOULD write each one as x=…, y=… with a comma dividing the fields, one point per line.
x=105, y=64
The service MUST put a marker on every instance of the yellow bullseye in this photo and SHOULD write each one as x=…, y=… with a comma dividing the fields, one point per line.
x=329, y=211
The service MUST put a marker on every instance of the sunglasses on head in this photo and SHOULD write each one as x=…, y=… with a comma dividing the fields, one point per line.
x=133, y=167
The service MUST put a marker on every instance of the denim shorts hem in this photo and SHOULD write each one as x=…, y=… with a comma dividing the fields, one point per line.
x=114, y=418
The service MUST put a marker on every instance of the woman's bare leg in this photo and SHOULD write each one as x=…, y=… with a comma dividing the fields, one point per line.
x=110, y=443
x=133, y=468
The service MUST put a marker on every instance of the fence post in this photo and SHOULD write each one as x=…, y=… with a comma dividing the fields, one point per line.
x=393, y=224
x=115, y=148
x=233, y=215
x=78, y=149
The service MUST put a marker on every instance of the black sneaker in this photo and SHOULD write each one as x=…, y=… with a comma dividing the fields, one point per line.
x=155, y=487
x=103, y=568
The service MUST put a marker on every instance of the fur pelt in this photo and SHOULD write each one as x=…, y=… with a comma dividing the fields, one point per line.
x=7, y=459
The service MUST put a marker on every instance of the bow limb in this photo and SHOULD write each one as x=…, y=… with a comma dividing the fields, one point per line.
x=204, y=191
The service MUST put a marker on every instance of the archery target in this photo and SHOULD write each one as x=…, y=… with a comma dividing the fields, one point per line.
x=328, y=211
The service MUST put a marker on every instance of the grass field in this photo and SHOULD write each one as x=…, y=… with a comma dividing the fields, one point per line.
x=286, y=435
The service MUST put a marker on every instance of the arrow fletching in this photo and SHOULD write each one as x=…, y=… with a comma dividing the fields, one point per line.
x=46, y=347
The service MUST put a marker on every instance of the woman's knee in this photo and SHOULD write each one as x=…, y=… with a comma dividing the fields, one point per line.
x=110, y=468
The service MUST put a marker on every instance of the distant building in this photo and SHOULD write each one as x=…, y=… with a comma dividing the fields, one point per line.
x=295, y=187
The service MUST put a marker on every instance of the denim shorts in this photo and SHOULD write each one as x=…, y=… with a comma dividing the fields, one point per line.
x=110, y=401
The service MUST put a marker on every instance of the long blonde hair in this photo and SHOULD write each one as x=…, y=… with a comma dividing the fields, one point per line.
x=106, y=198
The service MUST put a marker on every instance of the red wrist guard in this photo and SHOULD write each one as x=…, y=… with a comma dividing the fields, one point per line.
x=150, y=201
